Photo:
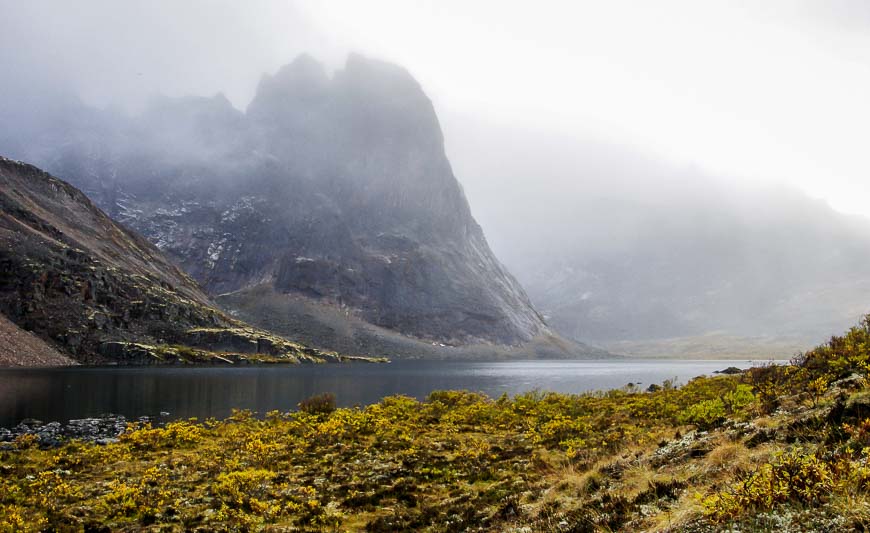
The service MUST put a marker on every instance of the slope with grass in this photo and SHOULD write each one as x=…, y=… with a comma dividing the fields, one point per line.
x=96, y=292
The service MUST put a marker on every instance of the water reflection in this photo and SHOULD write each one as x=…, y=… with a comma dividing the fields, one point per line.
x=67, y=393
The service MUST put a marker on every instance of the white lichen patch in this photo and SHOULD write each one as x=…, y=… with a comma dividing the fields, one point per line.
x=214, y=252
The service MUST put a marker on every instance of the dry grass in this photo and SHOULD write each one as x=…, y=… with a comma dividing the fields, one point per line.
x=730, y=457
x=683, y=511
x=638, y=478
x=854, y=507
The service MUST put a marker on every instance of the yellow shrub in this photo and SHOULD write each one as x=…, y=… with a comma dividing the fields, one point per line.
x=246, y=489
x=18, y=519
x=792, y=476
x=144, y=498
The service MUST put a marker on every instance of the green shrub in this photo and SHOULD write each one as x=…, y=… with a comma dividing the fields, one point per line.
x=706, y=414
x=739, y=398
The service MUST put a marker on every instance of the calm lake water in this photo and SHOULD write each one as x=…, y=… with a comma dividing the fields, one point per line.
x=61, y=394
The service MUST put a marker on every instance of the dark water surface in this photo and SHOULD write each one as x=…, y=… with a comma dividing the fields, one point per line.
x=61, y=394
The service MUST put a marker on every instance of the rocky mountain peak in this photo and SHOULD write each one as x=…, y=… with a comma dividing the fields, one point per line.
x=284, y=99
x=384, y=108
x=303, y=73
x=332, y=190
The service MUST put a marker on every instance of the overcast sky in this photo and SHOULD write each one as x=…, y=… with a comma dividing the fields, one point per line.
x=754, y=90
x=750, y=90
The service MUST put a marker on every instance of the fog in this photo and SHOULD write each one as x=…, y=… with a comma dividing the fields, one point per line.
x=614, y=244
x=122, y=53
x=743, y=90
x=718, y=145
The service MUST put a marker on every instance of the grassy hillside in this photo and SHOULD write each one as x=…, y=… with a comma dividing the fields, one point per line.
x=777, y=447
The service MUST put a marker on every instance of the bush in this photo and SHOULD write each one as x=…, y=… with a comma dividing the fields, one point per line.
x=771, y=382
x=738, y=398
x=706, y=414
x=319, y=404
x=791, y=477
x=842, y=355
x=247, y=489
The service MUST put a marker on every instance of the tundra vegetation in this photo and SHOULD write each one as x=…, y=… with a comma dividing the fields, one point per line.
x=781, y=447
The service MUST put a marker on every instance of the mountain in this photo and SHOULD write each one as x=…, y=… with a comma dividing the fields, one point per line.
x=328, y=210
x=648, y=258
x=75, y=285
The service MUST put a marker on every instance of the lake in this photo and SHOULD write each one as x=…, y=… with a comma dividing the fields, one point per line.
x=61, y=394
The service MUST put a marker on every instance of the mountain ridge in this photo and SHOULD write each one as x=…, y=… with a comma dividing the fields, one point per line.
x=335, y=189
x=97, y=292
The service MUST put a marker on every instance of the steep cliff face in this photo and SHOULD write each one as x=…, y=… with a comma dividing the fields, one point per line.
x=335, y=189
x=98, y=292
x=387, y=229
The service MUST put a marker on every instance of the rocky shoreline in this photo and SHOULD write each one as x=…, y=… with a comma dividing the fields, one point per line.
x=100, y=430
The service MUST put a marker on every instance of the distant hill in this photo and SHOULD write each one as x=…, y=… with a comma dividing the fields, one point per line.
x=647, y=258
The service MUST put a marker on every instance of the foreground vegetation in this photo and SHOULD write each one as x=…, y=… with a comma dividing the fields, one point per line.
x=777, y=447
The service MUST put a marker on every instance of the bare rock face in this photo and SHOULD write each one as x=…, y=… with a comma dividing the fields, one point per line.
x=332, y=188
